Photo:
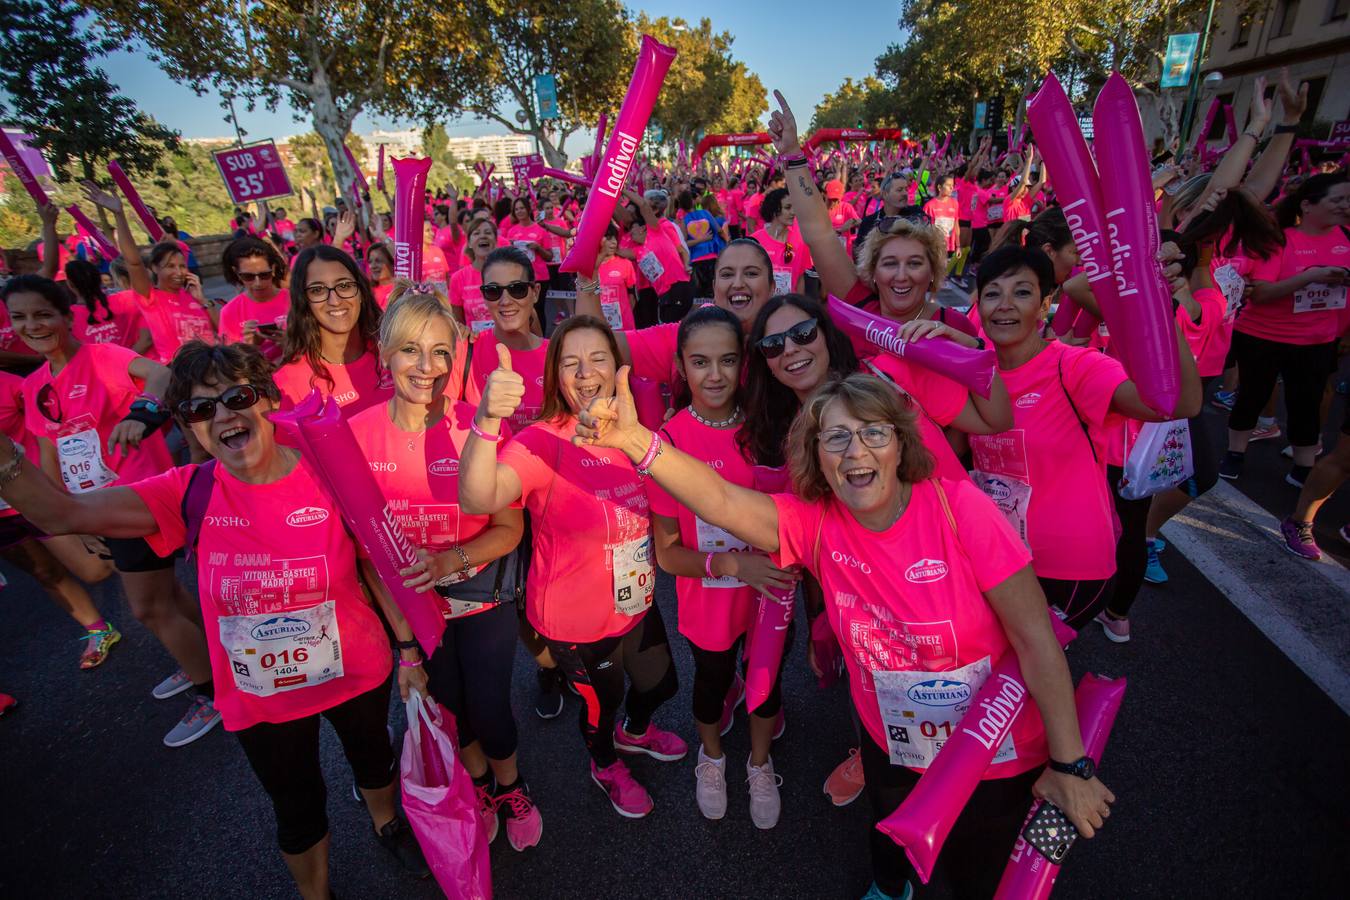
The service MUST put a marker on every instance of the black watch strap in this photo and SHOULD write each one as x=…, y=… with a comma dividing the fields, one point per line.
x=408, y=645
x=1084, y=767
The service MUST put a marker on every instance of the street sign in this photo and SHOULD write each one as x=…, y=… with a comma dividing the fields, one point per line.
x=523, y=168
x=1179, y=63
x=981, y=115
x=546, y=93
x=1340, y=135
x=253, y=173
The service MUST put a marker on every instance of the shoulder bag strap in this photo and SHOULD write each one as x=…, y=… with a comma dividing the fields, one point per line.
x=195, y=500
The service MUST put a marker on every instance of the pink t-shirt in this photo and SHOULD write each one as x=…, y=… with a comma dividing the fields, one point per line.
x=1209, y=338
x=244, y=308
x=653, y=351
x=382, y=292
x=658, y=262
x=617, y=278
x=123, y=328
x=452, y=248
x=733, y=204
x=936, y=401
x=520, y=235
x=11, y=423
x=911, y=599
x=77, y=411
x=944, y=213
x=1042, y=472
x=592, y=535
x=978, y=206
x=435, y=268
x=354, y=386
x=712, y=613
x=288, y=629
x=173, y=320
x=1312, y=314
x=530, y=365
x=751, y=207
x=841, y=213
x=465, y=290
x=998, y=196
x=786, y=273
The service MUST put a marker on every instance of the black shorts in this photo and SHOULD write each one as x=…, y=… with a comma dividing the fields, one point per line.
x=135, y=555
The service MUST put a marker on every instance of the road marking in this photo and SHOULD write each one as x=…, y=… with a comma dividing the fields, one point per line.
x=1301, y=606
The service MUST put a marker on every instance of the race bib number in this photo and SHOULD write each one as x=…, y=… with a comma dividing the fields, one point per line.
x=920, y=711
x=1010, y=495
x=945, y=224
x=996, y=212
x=481, y=325
x=81, y=458
x=712, y=539
x=651, y=268
x=524, y=247
x=634, y=576
x=609, y=305
x=782, y=281
x=276, y=652
x=1319, y=297
x=1231, y=285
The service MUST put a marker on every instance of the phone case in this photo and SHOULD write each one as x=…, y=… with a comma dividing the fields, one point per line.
x=1051, y=833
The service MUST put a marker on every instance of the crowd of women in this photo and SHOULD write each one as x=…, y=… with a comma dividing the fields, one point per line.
x=515, y=441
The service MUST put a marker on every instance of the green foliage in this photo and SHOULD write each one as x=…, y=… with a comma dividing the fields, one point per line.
x=855, y=105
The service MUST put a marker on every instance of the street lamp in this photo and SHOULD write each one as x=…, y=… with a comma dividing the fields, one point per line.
x=1194, y=94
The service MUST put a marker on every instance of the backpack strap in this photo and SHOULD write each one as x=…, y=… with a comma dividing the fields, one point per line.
x=195, y=500
x=1081, y=424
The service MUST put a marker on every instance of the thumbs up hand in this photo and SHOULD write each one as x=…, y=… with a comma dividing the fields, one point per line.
x=504, y=391
x=613, y=422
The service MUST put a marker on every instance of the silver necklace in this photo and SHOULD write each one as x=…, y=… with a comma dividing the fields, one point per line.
x=725, y=423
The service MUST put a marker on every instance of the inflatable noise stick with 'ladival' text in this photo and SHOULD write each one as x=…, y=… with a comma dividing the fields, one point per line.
x=1030, y=875
x=331, y=450
x=410, y=214
x=925, y=818
x=152, y=226
x=653, y=62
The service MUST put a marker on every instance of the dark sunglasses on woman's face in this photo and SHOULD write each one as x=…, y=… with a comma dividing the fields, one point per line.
x=803, y=333
x=203, y=409
x=518, y=289
x=249, y=277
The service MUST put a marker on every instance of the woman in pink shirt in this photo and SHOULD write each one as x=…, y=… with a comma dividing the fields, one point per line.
x=330, y=334
x=465, y=287
x=292, y=637
x=944, y=211
x=592, y=578
x=257, y=315
x=380, y=261
x=532, y=237
x=510, y=295
x=864, y=516
x=617, y=279
x=780, y=238
x=413, y=444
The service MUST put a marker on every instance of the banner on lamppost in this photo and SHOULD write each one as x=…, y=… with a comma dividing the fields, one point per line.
x=1179, y=62
x=546, y=93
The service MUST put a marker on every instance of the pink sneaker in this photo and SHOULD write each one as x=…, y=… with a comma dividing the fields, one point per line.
x=524, y=825
x=1298, y=539
x=487, y=809
x=1265, y=432
x=629, y=798
x=735, y=697
x=656, y=743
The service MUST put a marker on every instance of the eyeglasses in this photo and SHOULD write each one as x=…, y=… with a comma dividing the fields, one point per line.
x=803, y=333
x=249, y=277
x=319, y=293
x=203, y=409
x=837, y=440
x=517, y=289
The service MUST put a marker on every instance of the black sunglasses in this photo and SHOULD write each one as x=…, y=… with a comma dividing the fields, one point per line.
x=517, y=289
x=886, y=223
x=203, y=409
x=803, y=333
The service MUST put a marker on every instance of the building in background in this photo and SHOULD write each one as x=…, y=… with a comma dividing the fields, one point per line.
x=495, y=149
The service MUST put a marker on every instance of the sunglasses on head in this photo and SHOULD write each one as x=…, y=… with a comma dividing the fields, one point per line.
x=803, y=333
x=517, y=289
x=886, y=223
x=203, y=409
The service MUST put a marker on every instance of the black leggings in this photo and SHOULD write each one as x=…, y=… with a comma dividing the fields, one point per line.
x=980, y=239
x=597, y=671
x=674, y=303
x=470, y=674
x=976, y=851
x=715, y=670
x=1131, y=550
x=1305, y=370
x=1078, y=600
x=285, y=757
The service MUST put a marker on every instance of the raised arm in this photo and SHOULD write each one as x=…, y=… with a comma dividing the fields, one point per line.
x=126, y=244
x=485, y=485
x=112, y=512
x=51, y=246
x=1265, y=174
x=1228, y=174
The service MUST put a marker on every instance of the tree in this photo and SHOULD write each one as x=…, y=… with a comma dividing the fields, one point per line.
x=588, y=45
x=311, y=169
x=851, y=106
x=75, y=114
x=331, y=58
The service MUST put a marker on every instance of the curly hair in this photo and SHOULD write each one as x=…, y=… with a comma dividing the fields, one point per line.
x=199, y=363
x=930, y=237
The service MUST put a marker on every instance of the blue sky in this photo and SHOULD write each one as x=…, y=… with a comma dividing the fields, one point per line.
x=803, y=49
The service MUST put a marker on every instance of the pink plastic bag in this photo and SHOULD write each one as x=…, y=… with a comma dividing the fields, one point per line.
x=440, y=803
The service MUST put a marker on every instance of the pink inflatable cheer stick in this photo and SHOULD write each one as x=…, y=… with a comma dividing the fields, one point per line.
x=1055, y=127
x=768, y=639
x=105, y=246
x=1064, y=315
x=379, y=171
x=561, y=175
x=1085, y=324
x=119, y=177
x=410, y=181
x=972, y=368
x=1148, y=339
x=26, y=176
x=360, y=176
x=653, y=62
x=926, y=816
x=600, y=127
x=1029, y=875
x=331, y=448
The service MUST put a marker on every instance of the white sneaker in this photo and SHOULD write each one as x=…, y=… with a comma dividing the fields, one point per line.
x=710, y=789
x=765, y=804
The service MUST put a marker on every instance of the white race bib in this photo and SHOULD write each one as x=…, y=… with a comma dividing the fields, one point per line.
x=1318, y=297
x=271, y=653
x=712, y=539
x=996, y=212
x=651, y=268
x=1231, y=285
x=947, y=225
x=524, y=247
x=922, y=709
x=481, y=325
x=782, y=281
x=609, y=305
x=1011, y=496
x=634, y=576
x=81, y=460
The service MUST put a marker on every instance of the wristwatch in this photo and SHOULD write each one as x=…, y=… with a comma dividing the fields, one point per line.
x=1084, y=767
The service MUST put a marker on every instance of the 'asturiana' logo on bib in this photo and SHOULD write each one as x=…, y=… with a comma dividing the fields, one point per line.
x=939, y=692
x=926, y=570
x=278, y=628
x=1027, y=401
x=307, y=515
x=444, y=467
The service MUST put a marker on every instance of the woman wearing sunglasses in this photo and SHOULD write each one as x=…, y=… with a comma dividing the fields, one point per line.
x=258, y=313
x=784, y=242
x=414, y=443
x=510, y=291
x=866, y=515
x=96, y=412
x=331, y=333
x=592, y=577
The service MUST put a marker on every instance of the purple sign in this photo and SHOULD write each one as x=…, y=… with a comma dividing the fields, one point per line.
x=254, y=172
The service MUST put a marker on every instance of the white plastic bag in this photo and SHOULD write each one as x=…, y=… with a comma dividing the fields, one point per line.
x=1160, y=459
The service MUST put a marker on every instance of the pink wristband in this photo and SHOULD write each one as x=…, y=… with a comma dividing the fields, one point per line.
x=707, y=565
x=653, y=451
x=404, y=664
x=490, y=438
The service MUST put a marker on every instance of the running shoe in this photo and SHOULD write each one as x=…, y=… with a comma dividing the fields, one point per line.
x=1117, y=630
x=97, y=644
x=1230, y=467
x=549, y=703
x=7, y=703
x=1298, y=539
x=735, y=697
x=1288, y=452
x=656, y=743
x=396, y=837
x=765, y=804
x=201, y=717
x=846, y=781
x=1297, y=475
x=876, y=893
x=487, y=807
x=1265, y=432
x=1155, y=573
x=628, y=798
x=1223, y=399
x=172, y=686
x=524, y=825
x=710, y=786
